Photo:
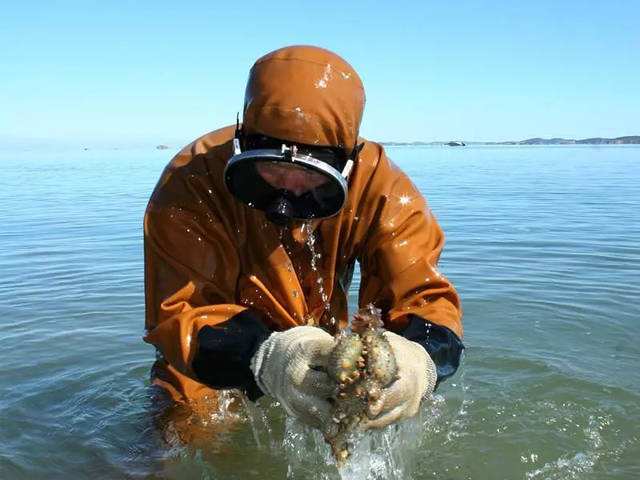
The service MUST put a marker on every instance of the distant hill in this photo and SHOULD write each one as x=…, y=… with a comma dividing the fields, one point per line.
x=537, y=141
x=570, y=141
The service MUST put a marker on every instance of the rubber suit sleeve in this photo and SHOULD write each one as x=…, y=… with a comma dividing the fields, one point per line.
x=191, y=271
x=443, y=346
x=400, y=273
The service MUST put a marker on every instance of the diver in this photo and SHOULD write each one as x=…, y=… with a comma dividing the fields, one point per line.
x=251, y=236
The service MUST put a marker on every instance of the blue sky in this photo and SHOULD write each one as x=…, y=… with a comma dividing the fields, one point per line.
x=127, y=72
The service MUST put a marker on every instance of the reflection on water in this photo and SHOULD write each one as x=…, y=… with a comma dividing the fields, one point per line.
x=542, y=245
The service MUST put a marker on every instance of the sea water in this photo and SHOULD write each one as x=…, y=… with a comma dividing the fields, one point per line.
x=543, y=244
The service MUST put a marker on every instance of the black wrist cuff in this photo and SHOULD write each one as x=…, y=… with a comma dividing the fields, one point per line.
x=225, y=350
x=443, y=346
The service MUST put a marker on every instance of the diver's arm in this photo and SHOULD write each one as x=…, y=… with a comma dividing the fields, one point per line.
x=191, y=272
x=193, y=322
x=400, y=274
x=191, y=316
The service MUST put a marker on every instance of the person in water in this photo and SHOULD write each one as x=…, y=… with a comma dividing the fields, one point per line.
x=251, y=236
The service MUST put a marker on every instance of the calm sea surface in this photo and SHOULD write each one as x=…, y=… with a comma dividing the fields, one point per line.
x=543, y=246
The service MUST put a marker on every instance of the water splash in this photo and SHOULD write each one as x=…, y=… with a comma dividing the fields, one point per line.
x=388, y=454
x=269, y=444
x=315, y=257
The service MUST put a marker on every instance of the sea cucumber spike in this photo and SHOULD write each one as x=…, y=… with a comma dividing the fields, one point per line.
x=374, y=392
x=375, y=405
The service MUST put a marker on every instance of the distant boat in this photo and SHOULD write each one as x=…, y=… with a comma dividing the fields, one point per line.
x=456, y=144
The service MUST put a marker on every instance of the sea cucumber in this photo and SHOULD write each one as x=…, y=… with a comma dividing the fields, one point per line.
x=363, y=364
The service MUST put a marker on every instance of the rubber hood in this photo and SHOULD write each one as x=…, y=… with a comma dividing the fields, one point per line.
x=306, y=95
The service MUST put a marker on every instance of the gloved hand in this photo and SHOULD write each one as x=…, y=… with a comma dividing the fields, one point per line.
x=417, y=378
x=287, y=367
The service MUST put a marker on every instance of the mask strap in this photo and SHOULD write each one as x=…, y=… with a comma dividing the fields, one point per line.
x=347, y=168
x=352, y=158
x=236, y=138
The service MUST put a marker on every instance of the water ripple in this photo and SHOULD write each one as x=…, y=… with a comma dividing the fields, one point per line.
x=542, y=246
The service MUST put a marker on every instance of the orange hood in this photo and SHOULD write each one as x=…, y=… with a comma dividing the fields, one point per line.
x=306, y=95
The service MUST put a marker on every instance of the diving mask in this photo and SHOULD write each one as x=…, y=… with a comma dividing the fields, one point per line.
x=288, y=181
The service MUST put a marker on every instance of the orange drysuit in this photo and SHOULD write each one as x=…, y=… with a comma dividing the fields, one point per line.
x=208, y=257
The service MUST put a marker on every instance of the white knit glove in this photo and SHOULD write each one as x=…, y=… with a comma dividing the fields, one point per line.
x=291, y=367
x=417, y=379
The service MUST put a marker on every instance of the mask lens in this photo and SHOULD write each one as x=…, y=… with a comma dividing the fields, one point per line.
x=293, y=178
x=286, y=184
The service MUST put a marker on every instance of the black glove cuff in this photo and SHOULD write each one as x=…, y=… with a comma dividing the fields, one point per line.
x=443, y=346
x=225, y=350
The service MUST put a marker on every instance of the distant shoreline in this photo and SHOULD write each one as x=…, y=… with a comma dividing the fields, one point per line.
x=629, y=140
x=40, y=144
